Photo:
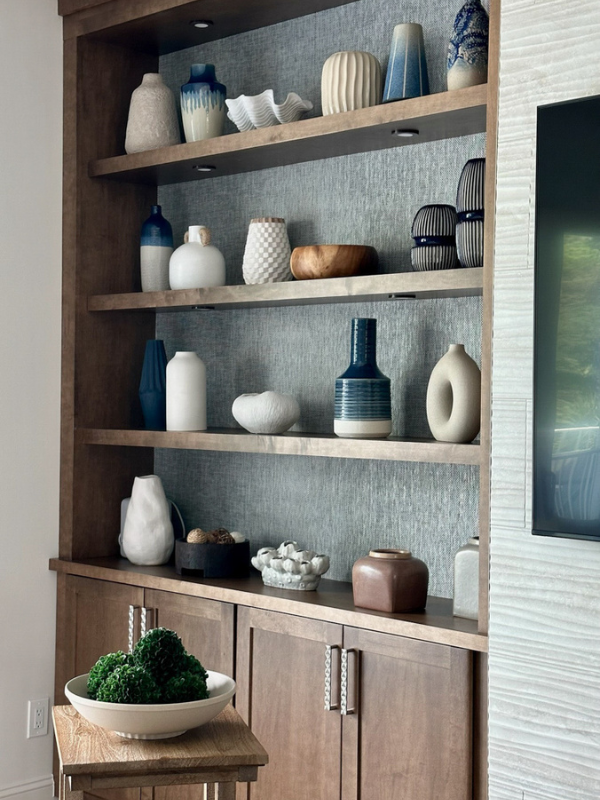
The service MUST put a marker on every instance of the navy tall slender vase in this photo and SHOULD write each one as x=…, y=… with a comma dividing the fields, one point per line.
x=362, y=394
x=153, y=386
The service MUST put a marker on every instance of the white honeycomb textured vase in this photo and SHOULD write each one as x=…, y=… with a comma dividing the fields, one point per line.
x=267, y=253
x=261, y=110
x=350, y=80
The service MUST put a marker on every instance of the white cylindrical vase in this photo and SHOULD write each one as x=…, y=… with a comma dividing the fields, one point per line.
x=148, y=537
x=186, y=393
x=466, y=581
x=350, y=79
x=454, y=397
x=267, y=252
x=152, y=120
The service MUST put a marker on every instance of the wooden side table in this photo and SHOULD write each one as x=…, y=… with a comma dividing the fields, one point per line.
x=218, y=754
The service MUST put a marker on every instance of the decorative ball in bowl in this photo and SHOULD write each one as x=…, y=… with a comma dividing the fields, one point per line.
x=151, y=720
x=333, y=261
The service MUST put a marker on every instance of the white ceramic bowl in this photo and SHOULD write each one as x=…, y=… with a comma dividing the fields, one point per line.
x=156, y=721
x=261, y=110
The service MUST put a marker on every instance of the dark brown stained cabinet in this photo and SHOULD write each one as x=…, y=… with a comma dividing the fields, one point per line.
x=400, y=725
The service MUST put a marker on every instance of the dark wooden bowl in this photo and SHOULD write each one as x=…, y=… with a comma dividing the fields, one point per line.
x=333, y=261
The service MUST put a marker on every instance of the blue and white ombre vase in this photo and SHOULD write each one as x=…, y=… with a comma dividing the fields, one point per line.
x=203, y=108
x=156, y=248
x=362, y=394
x=407, y=68
x=468, y=48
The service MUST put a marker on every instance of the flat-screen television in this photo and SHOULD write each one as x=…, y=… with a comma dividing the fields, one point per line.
x=566, y=416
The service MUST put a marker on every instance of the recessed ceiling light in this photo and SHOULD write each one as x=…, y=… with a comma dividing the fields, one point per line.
x=405, y=133
x=201, y=23
x=204, y=167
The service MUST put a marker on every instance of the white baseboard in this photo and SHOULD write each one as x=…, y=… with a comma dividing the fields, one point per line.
x=40, y=789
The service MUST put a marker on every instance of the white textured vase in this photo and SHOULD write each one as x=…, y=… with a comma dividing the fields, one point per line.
x=186, y=393
x=350, y=79
x=267, y=252
x=197, y=264
x=454, y=397
x=267, y=413
x=148, y=537
x=465, y=602
x=152, y=120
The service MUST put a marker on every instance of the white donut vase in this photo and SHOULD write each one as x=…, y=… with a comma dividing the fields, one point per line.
x=454, y=397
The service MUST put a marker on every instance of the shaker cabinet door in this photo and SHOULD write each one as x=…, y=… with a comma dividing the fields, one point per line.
x=281, y=688
x=408, y=731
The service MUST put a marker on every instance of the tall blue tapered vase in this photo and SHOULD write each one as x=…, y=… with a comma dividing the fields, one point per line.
x=407, y=68
x=153, y=386
x=362, y=394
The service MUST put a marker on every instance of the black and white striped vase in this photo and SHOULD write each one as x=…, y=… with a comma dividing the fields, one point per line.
x=434, y=234
x=470, y=210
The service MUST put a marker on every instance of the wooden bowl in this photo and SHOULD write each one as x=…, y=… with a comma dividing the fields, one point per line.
x=333, y=261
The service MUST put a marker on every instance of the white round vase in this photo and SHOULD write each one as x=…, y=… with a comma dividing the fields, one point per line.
x=152, y=120
x=267, y=252
x=454, y=397
x=465, y=600
x=350, y=79
x=197, y=264
x=148, y=537
x=186, y=393
x=267, y=413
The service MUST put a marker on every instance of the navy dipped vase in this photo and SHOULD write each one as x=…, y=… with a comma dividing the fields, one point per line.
x=362, y=394
x=153, y=386
x=156, y=249
x=203, y=109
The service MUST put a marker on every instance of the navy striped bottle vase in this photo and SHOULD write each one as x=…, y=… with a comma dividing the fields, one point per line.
x=362, y=394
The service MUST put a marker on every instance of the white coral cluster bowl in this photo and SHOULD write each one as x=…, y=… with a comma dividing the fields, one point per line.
x=261, y=110
x=151, y=721
x=290, y=567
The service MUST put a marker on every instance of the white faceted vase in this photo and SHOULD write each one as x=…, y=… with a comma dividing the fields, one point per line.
x=350, y=80
x=267, y=252
x=454, y=397
x=148, y=537
x=197, y=264
x=152, y=120
x=186, y=393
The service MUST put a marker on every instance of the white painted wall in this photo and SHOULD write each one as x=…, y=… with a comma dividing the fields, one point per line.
x=30, y=234
x=545, y=594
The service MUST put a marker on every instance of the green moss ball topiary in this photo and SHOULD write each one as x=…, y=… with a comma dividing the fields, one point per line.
x=184, y=688
x=161, y=652
x=129, y=684
x=105, y=666
x=191, y=664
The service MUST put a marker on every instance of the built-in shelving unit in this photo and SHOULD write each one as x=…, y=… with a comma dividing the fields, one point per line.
x=414, y=121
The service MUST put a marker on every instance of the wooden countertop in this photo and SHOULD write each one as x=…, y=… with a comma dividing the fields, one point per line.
x=331, y=602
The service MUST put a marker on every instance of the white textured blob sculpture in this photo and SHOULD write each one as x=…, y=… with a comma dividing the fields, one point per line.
x=148, y=537
x=289, y=567
x=267, y=413
x=454, y=397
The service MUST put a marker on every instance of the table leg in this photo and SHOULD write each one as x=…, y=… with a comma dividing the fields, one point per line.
x=225, y=791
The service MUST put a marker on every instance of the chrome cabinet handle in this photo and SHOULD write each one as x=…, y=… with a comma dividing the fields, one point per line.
x=344, y=682
x=147, y=620
x=131, y=637
x=328, y=705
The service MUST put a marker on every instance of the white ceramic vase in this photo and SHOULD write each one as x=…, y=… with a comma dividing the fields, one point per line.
x=267, y=413
x=152, y=120
x=148, y=537
x=466, y=581
x=267, y=252
x=186, y=393
x=454, y=397
x=350, y=79
x=196, y=264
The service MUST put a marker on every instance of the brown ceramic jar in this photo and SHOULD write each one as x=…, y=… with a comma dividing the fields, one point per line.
x=390, y=580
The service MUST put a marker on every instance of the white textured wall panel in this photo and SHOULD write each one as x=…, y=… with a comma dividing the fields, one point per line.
x=545, y=595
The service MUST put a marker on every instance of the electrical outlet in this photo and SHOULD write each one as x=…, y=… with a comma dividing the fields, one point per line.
x=37, y=717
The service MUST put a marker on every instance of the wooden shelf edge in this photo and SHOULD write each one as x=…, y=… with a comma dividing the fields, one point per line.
x=332, y=602
x=361, y=288
x=292, y=444
x=437, y=116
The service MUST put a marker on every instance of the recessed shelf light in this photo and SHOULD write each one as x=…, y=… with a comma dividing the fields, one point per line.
x=201, y=23
x=204, y=167
x=405, y=133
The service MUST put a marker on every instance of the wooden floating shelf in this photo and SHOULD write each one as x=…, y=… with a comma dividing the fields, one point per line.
x=331, y=602
x=395, y=286
x=291, y=444
x=436, y=116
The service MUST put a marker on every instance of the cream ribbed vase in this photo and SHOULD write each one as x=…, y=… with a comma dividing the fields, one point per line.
x=350, y=80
